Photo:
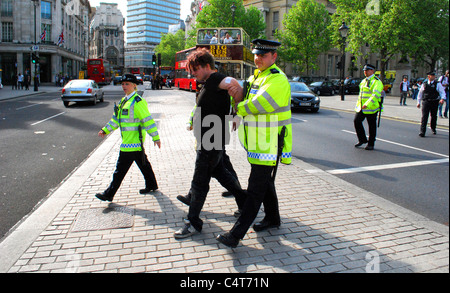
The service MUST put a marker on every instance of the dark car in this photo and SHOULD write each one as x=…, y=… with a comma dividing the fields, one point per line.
x=303, y=98
x=351, y=85
x=117, y=80
x=322, y=87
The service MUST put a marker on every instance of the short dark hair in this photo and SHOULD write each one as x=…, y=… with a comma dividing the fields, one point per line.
x=200, y=57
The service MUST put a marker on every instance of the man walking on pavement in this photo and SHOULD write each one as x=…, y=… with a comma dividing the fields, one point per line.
x=266, y=134
x=367, y=107
x=213, y=106
x=429, y=94
x=444, y=82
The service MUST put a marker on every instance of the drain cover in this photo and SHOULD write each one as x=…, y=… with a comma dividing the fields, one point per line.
x=103, y=219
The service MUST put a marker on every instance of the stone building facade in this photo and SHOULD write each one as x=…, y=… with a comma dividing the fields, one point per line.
x=58, y=37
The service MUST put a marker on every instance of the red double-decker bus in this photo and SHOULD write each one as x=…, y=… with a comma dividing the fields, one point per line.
x=99, y=70
x=183, y=79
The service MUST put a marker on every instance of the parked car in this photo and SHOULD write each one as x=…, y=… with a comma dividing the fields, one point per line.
x=146, y=77
x=303, y=98
x=351, y=85
x=117, y=80
x=81, y=90
x=322, y=87
x=139, y=79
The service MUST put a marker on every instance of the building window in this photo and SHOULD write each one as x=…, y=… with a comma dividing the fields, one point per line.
x=7, y=32
x=6, y=7
x=46, y=10
x=48, y=33
x=276, y=16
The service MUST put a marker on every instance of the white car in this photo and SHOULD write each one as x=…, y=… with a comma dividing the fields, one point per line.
x=81, y=90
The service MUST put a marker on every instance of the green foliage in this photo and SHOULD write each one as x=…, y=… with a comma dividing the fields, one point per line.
x=306, y=34
x=170, y=44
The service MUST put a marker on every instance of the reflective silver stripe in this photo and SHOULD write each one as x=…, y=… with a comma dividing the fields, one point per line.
x=154, y=133
x=150, y=126
x=270, y=100
x=146, y=119
x=130, y=128
x=268, y=123
x=129, y=120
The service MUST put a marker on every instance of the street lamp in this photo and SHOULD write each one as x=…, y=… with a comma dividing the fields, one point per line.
x=343, y=30
x=36, y=3
x=233, y=9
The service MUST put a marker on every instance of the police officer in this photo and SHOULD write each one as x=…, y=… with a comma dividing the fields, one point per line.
x=134, y=120
x=266, y=113
x=367, y=107
x=429, y=94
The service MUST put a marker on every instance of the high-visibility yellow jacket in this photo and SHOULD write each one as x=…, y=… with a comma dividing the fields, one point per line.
x=128, y=116
x=265, y=110
x=370, y=90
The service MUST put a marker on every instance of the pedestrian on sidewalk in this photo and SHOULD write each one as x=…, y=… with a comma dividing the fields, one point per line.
x=367, y=107
x=134, y=120
x=213, y=105
x=444, y=81
x=429, y=95
x=404, y=89
x=266, y=133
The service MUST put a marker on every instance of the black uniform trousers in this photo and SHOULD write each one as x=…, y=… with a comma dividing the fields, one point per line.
x=210, y=164
x=124, y=163
x=359, y=128
x=261, y=190
x=429, y=107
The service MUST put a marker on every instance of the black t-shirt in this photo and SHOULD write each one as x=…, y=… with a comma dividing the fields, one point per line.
x=213, y=105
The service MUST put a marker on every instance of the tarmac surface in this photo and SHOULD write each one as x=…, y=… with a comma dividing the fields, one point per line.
x=328, y=225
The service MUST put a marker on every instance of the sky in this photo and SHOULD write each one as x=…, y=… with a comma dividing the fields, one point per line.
x=185, y=6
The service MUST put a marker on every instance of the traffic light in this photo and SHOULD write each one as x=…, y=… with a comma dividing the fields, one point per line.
x=34, y=58
x=154, y=59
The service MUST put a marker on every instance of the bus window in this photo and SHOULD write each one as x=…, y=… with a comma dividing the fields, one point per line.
x=207, y=36
x=230, y=36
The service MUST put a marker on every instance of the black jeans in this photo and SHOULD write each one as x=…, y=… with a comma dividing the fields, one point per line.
x=429, y=107
x=360, y=132
x=124, y=163
x=261, y=190
x=210, y=164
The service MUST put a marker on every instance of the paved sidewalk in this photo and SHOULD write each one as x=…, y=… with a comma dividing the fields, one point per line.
x=8, y=93
x=328, y=225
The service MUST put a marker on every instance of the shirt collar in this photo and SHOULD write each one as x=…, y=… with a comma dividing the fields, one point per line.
x=129, y=96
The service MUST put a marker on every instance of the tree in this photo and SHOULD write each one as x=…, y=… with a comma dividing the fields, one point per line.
x=389, y=27
x=169, y=45
x=218, y=14
x=306, y=34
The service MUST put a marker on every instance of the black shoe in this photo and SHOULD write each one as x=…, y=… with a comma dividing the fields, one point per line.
x=147, y=190
x=369, y=147
x=228, y=239
x=264, y=225
x=422, y=134
x=185, y=199
x=227, y=194
x=103, y=197
x=360, y=144
x=434, y=131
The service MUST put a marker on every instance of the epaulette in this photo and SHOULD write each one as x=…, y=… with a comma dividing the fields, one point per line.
x=138, y=99
x=274, y=70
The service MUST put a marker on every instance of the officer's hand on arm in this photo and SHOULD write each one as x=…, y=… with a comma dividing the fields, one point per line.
x=157, y=143
x=101, y=133
x=233, y=87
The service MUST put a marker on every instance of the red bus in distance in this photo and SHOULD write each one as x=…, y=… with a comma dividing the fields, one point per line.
x=183, y=79
x=99, y=70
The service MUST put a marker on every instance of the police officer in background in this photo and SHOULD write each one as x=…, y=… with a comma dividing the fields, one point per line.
x=134, y=120
x=429, y=94
x=266, y=125
x=367, y=107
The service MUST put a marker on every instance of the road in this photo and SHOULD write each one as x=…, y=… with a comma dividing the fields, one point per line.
x=405, y=169
x=42, y=143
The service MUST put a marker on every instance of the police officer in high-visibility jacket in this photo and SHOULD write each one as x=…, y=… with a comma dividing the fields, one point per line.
x=134, y=120
x=266, y=112
x=367, y=106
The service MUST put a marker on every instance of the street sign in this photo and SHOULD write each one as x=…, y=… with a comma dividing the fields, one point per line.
x=35, y=48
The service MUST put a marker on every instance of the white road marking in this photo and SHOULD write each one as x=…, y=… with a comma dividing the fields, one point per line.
x=386, y=166
x=46, y=119
x=32, y=105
